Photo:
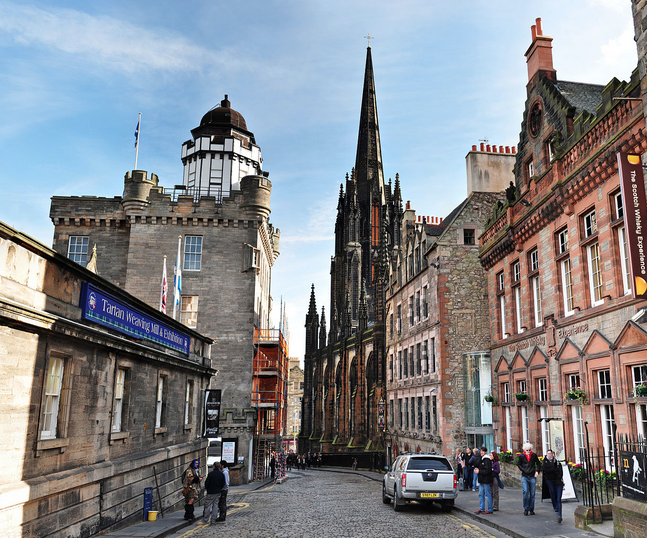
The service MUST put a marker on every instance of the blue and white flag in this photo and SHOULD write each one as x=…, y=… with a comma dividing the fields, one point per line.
x=137, y=134
x=177, y=281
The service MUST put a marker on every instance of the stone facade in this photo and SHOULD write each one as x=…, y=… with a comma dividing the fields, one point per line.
x=295, y=399
x=228, y=248
x=69, y=469
x=437, y=327
x=560, y=295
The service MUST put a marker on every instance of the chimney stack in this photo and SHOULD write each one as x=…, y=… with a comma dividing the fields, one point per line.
x=539, y=56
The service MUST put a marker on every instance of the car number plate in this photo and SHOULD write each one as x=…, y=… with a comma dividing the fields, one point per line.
x=429, y=495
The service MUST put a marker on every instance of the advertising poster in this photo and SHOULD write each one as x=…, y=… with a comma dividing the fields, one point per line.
x=556, y=430
x=633, y=475
x=211, y=413
x=568, y=492
x=229, y=450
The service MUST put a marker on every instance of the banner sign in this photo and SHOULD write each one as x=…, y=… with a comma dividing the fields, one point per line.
x=103, y=308
x=633, y=475
x=212, y=414
x=634, y=204
x=556, y=432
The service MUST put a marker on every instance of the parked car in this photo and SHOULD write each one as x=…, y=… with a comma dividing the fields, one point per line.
x=422, y=478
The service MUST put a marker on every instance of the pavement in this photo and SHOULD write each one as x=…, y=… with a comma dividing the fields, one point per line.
x=508, y=520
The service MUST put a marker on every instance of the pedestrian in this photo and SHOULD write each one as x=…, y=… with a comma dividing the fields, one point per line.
x=222, y=503
x=309, y=460
x=319, y=460
x=469, y=469
x=528, y=464
x=288, y=461
x=496, y=483
x=460, y=464
x=213, y=485
x=553, y=475
x=483, y=473
x=273, y=466
x=354, y=464
x=475, y=460
x=191, y=489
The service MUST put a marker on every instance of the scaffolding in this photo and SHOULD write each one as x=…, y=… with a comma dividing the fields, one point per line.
x=269, y=395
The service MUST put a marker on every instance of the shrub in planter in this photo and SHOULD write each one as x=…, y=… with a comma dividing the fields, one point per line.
x=521, y=396
x=506, y=456
x=640, y=391
x=491, y=399
x=576, y=394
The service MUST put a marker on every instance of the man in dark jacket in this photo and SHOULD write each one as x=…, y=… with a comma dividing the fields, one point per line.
x=484, y=473
x=528, y=464
x=213, y=485
x=553, y=474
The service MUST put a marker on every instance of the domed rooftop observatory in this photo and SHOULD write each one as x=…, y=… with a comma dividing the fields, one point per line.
x=221, y=120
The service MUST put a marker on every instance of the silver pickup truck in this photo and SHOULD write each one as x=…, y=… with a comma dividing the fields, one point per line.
x=423, y=478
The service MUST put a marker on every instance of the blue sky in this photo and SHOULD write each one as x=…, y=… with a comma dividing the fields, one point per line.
x=74, y=75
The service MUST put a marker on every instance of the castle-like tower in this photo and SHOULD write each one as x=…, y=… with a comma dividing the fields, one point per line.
x=344, y=368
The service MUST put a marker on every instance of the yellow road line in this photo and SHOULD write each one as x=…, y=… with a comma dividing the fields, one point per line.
x=473, y=528
x=230, y=510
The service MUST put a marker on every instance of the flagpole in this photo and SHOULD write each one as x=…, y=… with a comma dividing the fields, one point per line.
x=139, y=124
x=177, y=288
x=164, y=289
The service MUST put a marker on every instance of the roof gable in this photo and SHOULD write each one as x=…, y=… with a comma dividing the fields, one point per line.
x=568, y=350
x=631, y=335
x=596, y=343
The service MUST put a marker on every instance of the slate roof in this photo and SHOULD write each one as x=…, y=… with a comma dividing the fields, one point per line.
x=580, y=95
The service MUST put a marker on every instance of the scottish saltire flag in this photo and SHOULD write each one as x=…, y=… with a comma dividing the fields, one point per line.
x=177, y=280
x=137, y=134
x=164, y=289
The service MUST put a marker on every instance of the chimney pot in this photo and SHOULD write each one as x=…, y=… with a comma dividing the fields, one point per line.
x=482, y=146
x=488, y=148
x=494, y=149
x=500, y=149
x=507, y=149
x=533, y=30
x=538, y=22
x=408, y=204
x=474, y=147
x=514, y=150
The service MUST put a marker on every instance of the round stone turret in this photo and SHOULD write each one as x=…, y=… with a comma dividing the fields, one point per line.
x=256, y=195
x=137, y=187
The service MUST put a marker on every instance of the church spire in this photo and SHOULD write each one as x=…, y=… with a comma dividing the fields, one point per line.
x=368, y=161
x=312, y=323
x=322, y=329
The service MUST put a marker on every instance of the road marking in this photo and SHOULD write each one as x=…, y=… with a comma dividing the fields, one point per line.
x=473, y=528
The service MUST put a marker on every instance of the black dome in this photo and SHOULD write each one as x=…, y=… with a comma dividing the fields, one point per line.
x=224, y=116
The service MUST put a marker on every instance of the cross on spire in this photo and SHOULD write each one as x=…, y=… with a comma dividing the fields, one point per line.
x=368, y=37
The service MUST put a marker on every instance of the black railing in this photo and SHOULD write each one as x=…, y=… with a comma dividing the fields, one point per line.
x=196, y=193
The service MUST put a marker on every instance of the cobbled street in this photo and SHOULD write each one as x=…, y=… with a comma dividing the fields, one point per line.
x=330, y=505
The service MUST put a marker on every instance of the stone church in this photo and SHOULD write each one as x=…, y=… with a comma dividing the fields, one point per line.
x=344, y=366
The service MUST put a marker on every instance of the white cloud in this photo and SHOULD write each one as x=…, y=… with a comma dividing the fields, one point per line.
x=621, y=50
x=104, y=40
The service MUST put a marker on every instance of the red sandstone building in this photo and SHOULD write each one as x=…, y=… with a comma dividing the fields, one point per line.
x=560, y=295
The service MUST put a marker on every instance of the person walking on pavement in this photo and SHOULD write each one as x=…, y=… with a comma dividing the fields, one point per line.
x=496, y=482
x=191, y=489
x=222, y=502
x=553, y=475
x=213, y=485
x=528, y=464
x=484, y=475
x=469, y=470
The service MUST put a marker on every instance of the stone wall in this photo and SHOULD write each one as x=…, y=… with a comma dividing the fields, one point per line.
x=629, y=518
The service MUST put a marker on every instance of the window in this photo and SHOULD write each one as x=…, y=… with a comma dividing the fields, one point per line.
x=427, y=414
x=516, y=272
x=641, y=420
x=620, y=213
x=545, y=434
x=406, y=413
x=469, y=236
x=550, y=150
x=573, y=381
x=517, y=308
x=595, y=274
x=192, y=252
x=590, y=224
x=411, y=318
x=400, y=413
x=504, y=333
x=425, y=356
x=189, y=311
x=119, y=401
x=425, y=305
x=624, y=260
x=413, y=413
x=505, y=390
x=604, y=384
x=420, y=412
x=525, y=424
x=578, y=432
x=188, y=403
x=508, y=428
x=417, y=257
x=401, y=367
x=53, y=389
x=391, y=417
x=405, y=362
x=391, y=367
x=77, y=249
x=432, y=361
x=411, y=362
x=608, y=422
x=391, y=325
x=418, y=359
x=639, y=374
x=530, y=168
x=562, y=241
x=543, y=390
x=523, y=387
x=501, y=280
x=567, y=287
x=534, y=260
x=434, y=414
x=160, y=404
x=399, y=319
x=418, y=317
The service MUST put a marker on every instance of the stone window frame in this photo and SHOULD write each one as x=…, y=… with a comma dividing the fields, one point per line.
x=469, y=236
x=123, y=433
x=81, y=254
x=161, y=406
x=61, y=439
x=189, y=404
x=192, y=258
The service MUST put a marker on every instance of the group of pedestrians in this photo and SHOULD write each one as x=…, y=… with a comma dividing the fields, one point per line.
x=480, y=471
x=303, y=461
x=216, y=486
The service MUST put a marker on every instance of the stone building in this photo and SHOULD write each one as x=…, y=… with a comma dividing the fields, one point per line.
x=560, y=294
x=295, y=400
x=344, y=367
x=438, y=336
x=101, y=394
x=220, y=213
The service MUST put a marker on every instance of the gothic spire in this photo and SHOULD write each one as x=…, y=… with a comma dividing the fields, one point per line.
x=312, y=310
x=322, y=328
x=368, y=161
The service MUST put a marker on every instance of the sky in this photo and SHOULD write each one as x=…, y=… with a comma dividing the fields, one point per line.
x=75, y=74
